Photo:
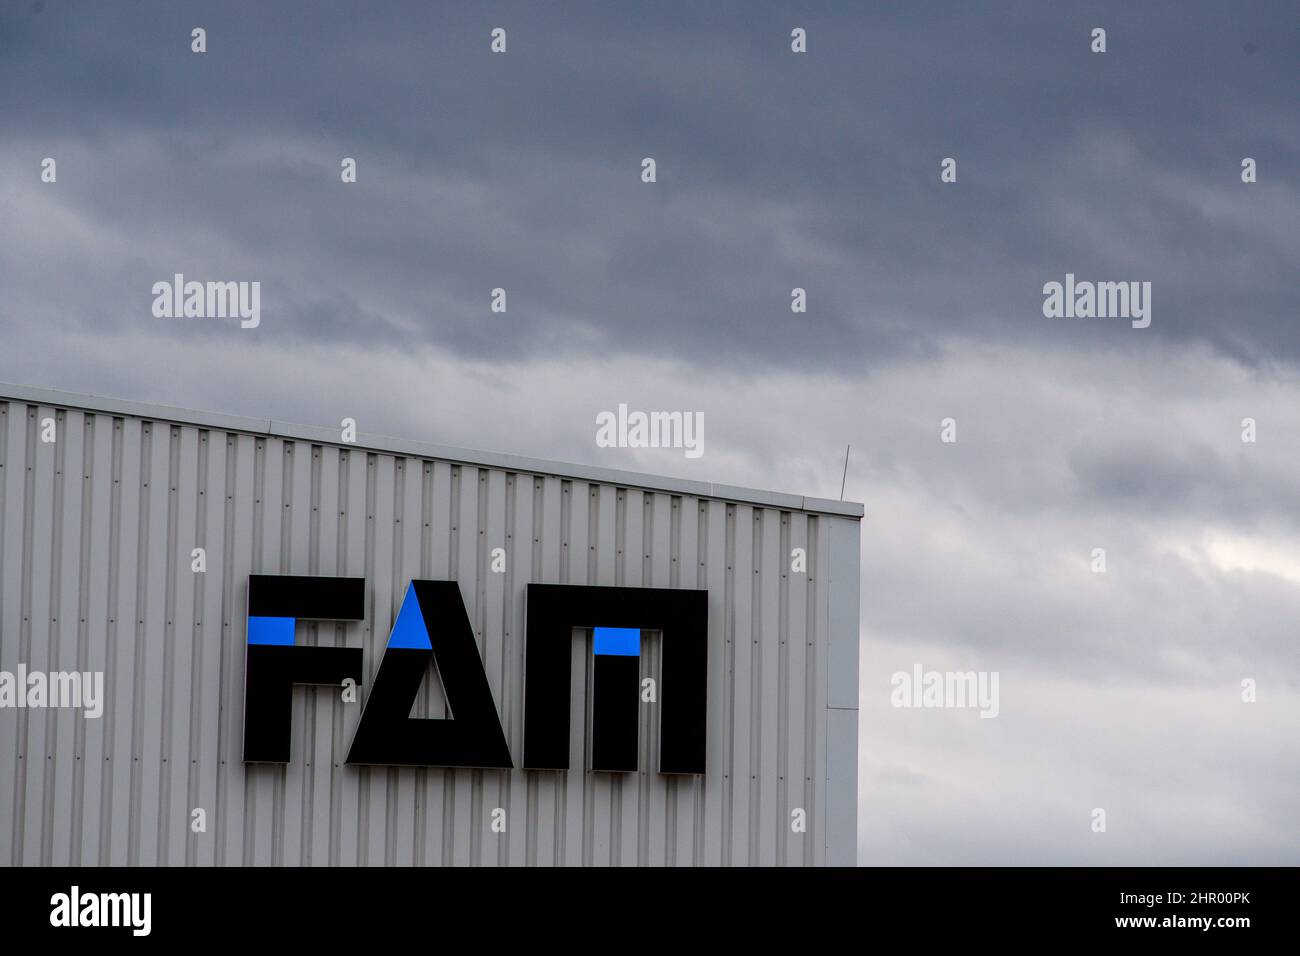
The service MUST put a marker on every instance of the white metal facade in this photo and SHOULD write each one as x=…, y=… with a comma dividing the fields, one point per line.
x=96, y=534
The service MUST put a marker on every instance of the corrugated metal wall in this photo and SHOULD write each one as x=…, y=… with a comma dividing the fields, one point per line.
x=96, y=532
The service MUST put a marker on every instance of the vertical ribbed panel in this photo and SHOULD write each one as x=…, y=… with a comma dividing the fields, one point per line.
x=97, y=531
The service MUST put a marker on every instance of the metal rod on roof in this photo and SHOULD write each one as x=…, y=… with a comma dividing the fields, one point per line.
x=845, y=476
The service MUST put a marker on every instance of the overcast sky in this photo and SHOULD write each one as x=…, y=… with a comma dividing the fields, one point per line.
x=775, y=171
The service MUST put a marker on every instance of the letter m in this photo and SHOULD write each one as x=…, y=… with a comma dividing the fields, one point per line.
x=617, y=616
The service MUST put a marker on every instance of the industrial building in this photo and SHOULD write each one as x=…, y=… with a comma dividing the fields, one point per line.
x=219, y=574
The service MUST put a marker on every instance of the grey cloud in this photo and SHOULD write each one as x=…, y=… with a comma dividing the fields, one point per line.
x=775, y=172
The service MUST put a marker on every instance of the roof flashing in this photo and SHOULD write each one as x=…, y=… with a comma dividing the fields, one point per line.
x=378, y=443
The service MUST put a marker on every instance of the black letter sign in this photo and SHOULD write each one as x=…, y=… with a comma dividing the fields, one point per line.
x=431, y=626
x=273, y=663
x=553, y=611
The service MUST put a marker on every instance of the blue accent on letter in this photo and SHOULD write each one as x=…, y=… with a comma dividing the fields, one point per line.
x=409, y=631
x=620, y=641
x=271, y=630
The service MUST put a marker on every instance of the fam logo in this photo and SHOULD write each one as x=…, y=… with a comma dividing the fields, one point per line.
x=433, y=627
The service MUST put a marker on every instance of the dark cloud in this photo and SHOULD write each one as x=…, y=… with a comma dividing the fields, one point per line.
x=775, y=171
